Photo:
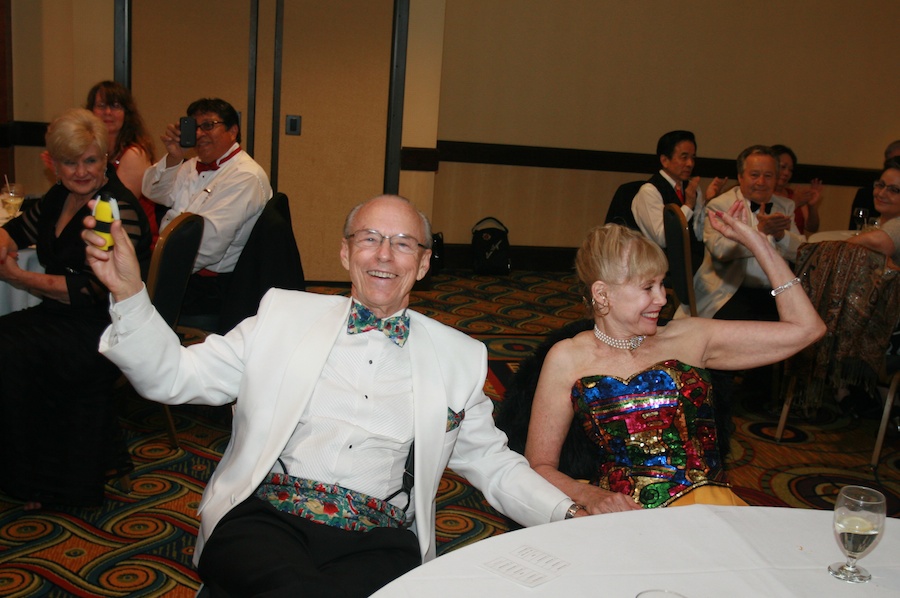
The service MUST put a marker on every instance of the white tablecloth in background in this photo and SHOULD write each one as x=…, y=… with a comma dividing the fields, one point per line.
x=831, y=235
x=699, y=551
x=13, y=299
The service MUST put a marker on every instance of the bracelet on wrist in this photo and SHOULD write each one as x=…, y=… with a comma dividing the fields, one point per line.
x=779, y=290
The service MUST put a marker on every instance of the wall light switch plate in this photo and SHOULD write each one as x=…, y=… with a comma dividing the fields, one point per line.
x=292, y=124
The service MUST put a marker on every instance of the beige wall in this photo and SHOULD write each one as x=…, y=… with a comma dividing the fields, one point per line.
x=176, y=60
x=613, y=76
x=60, y=48
x=335, y=64
x=425, y=50
x=588, y=74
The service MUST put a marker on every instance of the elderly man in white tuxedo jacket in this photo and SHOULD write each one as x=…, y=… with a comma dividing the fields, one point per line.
x=730, y=283
x=310, y=492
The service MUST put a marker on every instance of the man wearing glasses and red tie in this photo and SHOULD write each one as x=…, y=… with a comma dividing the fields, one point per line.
x=677, y=151
x=348, y=410
x=222, y=183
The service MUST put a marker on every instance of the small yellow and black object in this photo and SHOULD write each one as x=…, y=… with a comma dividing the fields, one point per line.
x=106, y=210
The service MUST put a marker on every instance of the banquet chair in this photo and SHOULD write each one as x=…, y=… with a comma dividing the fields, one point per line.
x=678, y=248
x=619, y=210
x=170, y=267
x=858, y=298
x=577, y=455
x=270, y=259
x=889, y=403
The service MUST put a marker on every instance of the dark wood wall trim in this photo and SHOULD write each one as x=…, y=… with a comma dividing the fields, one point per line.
x=545, y=157
x=122, y=42
x=276, y=89
x=7, y=157
x=21, y=132
x=576, y=159
x=522, y=257
x=393, y=149
x=420, y=159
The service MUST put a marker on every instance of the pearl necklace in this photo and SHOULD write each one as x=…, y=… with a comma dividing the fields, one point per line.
x=628, y=344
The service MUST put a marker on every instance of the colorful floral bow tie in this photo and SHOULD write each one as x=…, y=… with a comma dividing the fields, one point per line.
x=362, y=319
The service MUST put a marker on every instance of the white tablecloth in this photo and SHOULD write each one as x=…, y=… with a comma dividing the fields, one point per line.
x=13, y=299
x=698, y=551
x=831, y=235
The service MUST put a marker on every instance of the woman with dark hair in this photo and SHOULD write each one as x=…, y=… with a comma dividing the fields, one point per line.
x=806, y=202
x=130, y=145
x=886, y=193
x=641, y=392
x=59, y=434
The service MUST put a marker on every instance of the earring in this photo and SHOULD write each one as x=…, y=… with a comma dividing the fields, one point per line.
x=601, y=308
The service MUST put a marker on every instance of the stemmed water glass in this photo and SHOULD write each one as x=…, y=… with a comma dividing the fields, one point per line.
x=858, y=525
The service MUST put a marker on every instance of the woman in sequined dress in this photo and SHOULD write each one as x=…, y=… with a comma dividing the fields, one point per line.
x=641, y=391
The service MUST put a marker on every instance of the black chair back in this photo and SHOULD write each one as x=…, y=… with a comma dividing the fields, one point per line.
x=270, y=259
x=172, y=263
x=678, y=250
x=578, y=455
x=619, y=210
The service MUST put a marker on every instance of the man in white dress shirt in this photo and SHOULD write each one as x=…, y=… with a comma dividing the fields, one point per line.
x=223, y=184
x=677, y=152
x=311, y=495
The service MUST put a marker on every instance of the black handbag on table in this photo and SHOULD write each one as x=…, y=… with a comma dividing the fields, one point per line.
x=490, y=247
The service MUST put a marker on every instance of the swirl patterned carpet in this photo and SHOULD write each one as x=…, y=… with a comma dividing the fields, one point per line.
x=140, y=543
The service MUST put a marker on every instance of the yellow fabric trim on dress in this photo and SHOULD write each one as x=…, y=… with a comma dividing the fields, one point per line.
x=709, y=495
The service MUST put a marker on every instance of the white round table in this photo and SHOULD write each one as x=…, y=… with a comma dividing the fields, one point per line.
x=698, y=551
x=831, y=235
x=13, y=299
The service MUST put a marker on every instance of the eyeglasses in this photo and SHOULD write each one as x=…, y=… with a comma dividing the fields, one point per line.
x=371, y=239
x=115, y=106
x=209, y=125
x=892, y=189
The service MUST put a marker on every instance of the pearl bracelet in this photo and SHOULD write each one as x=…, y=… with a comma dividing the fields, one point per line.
x=785, y=286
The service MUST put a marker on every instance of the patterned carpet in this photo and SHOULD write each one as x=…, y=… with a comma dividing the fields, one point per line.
x=140, y=543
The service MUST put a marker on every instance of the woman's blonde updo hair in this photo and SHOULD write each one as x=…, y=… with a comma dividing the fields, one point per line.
x=73, y=132
x=616, y=254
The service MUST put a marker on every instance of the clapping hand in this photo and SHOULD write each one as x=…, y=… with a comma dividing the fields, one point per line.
x=690, y=192
x=774, y=224
x=9, y=267
x=734, y=224
x=715, y=187
x=810, y=196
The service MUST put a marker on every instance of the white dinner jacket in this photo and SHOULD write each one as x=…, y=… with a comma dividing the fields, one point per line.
x=725, y=261
x=272, y=362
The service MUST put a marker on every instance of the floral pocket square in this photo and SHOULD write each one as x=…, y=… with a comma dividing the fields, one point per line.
x=454, y=419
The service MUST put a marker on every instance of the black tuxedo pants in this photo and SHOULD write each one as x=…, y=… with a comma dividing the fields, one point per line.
x=257, y=550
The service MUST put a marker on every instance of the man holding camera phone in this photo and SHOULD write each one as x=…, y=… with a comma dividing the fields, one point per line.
x=222, y=183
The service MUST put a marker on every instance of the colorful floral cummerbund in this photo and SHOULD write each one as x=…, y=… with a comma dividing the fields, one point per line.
x=329, y=503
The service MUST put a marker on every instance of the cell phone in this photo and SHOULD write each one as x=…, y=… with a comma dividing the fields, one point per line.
x=188, y=126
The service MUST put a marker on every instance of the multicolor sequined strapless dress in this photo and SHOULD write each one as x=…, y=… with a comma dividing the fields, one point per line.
x=655, y=434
